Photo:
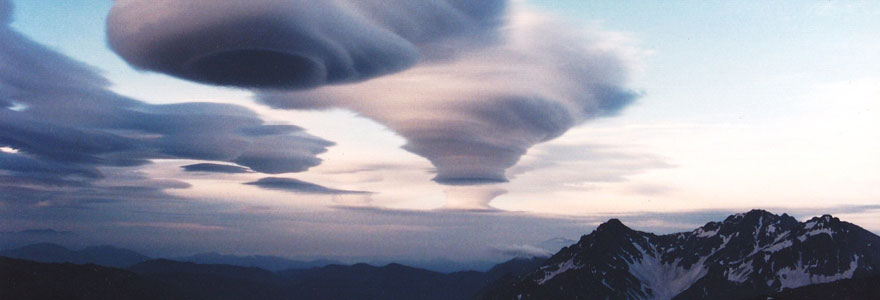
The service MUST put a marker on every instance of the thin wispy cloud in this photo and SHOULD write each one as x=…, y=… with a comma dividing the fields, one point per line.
x=215, y=168
x=299, y=186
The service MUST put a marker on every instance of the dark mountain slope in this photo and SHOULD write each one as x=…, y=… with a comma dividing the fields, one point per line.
x=107, y=256
x=745, y=255
x=866, y=288
x=21, y=279
x=271, y=263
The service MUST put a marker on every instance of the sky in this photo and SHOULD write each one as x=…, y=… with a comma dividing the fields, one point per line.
x=429, y=129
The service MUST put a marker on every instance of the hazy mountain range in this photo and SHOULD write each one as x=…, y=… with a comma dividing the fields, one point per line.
x=110, y=256
x=755, y=255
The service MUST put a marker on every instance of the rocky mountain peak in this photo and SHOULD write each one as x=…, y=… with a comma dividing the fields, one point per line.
x=747, y=254
x=612, y=225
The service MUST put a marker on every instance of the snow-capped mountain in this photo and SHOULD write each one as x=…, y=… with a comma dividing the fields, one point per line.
x=744, y=256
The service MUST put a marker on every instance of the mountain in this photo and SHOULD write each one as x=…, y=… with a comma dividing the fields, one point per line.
x=442, y=265
x=15, y=239
x=100, y=255
x=198, y=281
x=746, y=255
x=22, y=279
x=166, y=279
x=509, y=272
x=845, y=289
x=162, y=267
x=271, y=263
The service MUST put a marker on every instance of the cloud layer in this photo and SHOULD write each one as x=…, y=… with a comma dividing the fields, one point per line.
x=214, y=168
x=299, y=186
x=287, y=43
x=62, y=127
x=474, y=115
x=470, y=85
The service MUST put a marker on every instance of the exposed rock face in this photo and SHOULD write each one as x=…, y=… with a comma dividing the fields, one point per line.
x=744, y=256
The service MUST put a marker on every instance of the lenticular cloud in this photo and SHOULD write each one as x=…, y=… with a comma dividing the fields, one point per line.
x=287, y=44
x=474, y=115
x=69, y=133
x=471, y=85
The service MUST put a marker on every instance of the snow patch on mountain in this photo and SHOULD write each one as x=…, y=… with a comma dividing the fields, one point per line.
x=665, y=280
x=778, y=246
x=706, y=234
x=799, y=275
x=810, y=225
x=827, y=231
x=561, y=268
x=740, y=273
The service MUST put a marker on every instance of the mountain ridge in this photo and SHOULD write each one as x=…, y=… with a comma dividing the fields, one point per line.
x=104, y=255
x=746, y=254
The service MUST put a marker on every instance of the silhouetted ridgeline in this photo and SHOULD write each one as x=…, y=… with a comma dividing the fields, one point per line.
x=166, y=279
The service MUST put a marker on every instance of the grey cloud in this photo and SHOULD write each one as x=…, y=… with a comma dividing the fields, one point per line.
x=299, y=186
x=276, y=154
x=70, y=130
x=43, y=232
x=270, y=130
x=289, y=44
x=475, y=114
x=5, y=11
x=215, y=168
x=25, y=165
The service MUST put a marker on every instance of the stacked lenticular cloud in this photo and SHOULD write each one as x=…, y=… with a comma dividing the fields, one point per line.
x=471, y=85
x=66, y=135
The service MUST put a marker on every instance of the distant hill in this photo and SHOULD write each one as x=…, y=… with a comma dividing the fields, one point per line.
x=21, y=279
x=14, y=239
x=359, y=281
x=444, y=265
x=100, y=255
x=166, y=279
x=271, y=263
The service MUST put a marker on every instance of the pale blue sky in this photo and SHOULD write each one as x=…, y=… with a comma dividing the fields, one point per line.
x=746, y=104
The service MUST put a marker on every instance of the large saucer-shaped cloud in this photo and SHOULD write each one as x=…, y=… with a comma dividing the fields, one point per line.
x=254, y=43
x=288, y=44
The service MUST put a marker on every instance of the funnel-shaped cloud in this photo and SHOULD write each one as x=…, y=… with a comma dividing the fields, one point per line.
x=471, y=197
x=287, y=43
x=475, y=114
